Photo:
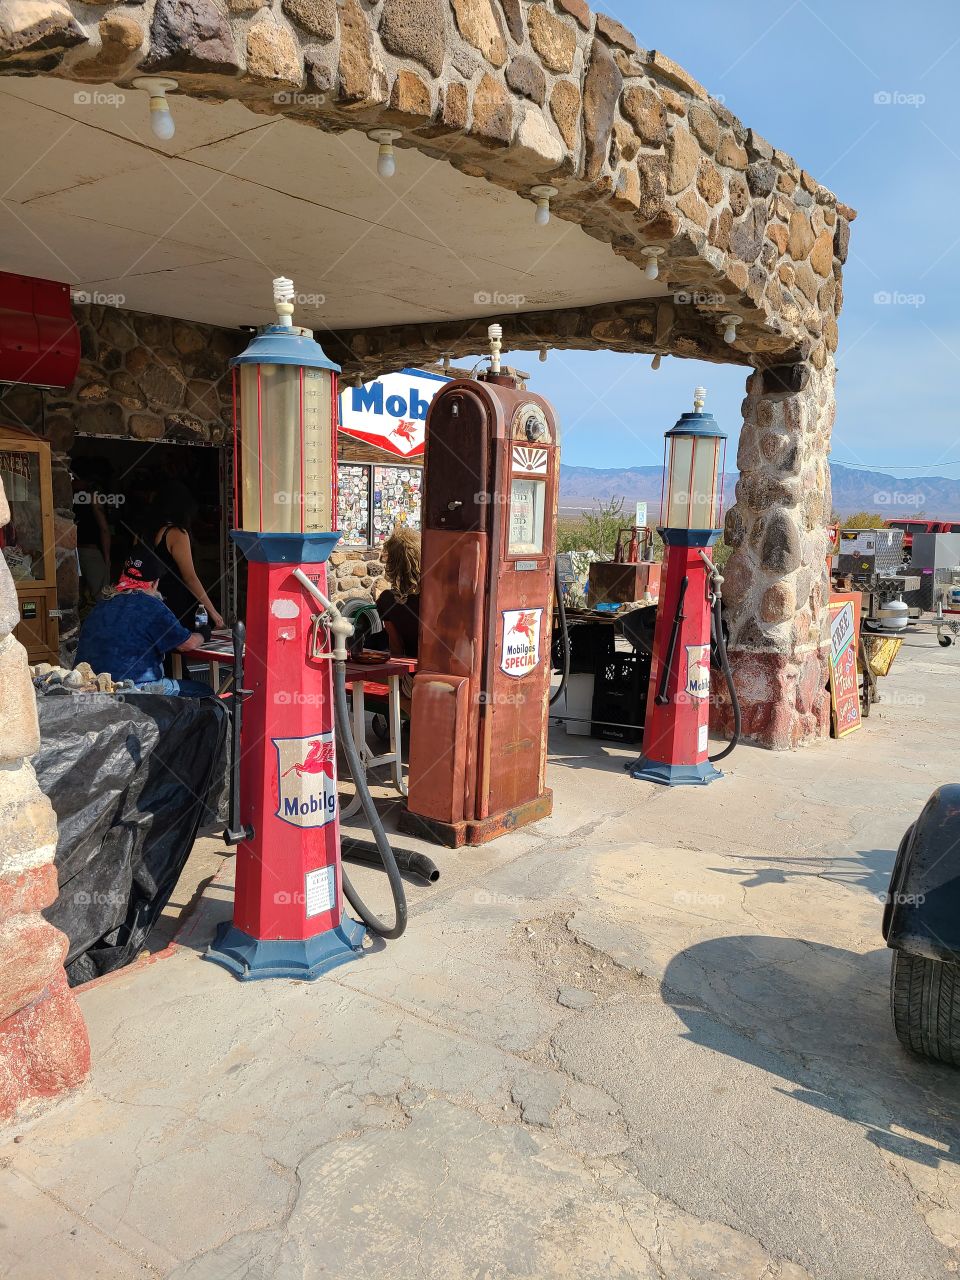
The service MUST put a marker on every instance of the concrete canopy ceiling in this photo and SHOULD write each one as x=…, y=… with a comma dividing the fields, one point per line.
x=199, y=226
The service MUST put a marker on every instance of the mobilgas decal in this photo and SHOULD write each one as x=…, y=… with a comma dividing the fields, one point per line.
x=520, y=648
x=529, y=462
x=306, y=780
x=698, y=670
x=391, y=412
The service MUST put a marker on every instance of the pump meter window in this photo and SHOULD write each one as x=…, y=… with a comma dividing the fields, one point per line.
x=527, y=506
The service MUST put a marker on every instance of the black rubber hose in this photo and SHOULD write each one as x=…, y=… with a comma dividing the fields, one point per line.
x=358, y=773
x=728, y=676
x=562, y=611
x=412, y=861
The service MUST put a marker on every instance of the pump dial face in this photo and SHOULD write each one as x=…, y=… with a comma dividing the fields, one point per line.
x=530, y=423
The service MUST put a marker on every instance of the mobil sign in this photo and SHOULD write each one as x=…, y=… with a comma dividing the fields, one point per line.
x=392, y=411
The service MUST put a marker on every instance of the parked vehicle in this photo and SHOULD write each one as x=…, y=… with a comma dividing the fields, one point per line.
x=910, y=527
x=921, y=923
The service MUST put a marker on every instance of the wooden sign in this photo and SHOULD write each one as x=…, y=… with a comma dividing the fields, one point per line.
x=844, y=680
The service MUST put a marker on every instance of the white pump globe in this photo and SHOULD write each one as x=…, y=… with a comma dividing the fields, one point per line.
x=161, y=121
x=542, y=216
x=386, y=162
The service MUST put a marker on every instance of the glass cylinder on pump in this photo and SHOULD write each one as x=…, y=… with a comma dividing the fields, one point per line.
x=693, y=471
x=286, y=451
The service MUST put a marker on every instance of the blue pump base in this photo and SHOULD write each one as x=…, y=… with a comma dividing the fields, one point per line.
x=307, y=958
x=674, y=775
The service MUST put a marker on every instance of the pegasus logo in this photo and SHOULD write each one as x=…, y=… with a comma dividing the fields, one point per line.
x=306, y=780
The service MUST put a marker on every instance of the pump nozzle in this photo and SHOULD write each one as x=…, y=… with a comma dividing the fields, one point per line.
x=283, y=295
x=495, y=334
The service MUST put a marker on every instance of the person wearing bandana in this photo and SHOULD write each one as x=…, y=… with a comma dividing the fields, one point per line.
x=129, y=634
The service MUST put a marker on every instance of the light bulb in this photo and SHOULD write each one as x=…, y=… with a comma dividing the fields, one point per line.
x=543, y=196
x=655, y=362
x=543, y=354
x=161, y=119
x=446, y=362
x=651, y=268
x=386, y=156
x=730, y=327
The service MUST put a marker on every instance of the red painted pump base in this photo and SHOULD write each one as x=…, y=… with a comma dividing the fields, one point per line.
x=474, y=831
x=304, y=958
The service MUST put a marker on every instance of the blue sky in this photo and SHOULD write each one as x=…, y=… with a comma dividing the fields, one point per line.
x=805, y=74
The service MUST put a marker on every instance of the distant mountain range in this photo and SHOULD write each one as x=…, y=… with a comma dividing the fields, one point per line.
x=853, y=490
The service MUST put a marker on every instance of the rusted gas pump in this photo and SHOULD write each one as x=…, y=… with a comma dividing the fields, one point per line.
x=481, y=695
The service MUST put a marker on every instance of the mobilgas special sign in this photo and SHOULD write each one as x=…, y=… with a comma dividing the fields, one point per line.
x=391, y=412
x=520, y=652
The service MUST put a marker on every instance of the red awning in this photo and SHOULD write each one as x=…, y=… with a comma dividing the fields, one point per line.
x=39, y=339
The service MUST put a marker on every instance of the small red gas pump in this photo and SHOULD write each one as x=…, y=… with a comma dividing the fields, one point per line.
x=676, y=732
x=289, y=919
x=481, y=694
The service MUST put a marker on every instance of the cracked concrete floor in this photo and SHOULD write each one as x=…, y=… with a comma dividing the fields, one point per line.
x=647, y=1038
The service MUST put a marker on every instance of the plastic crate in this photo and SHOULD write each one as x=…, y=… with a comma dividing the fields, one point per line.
x=620, y=697
x=591, y=644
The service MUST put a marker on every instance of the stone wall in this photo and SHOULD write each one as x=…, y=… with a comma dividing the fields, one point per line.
x=357, y=573
x=44, y=1048
x=777, y=585
x=141, y=377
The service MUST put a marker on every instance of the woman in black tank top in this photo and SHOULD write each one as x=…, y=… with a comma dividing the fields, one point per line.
x=182, y=590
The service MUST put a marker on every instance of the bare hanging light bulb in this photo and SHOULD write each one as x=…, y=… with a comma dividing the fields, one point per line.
x=543, y=196
x=656, y=361
x=446, y=361
x=730, y=323
x=386, y=156
x=543, y=353
x=161, y=119
x=651, y=267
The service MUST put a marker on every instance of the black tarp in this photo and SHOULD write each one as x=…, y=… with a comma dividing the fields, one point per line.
x=132, y=780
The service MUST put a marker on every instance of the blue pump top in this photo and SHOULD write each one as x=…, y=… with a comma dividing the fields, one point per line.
x=284, y=344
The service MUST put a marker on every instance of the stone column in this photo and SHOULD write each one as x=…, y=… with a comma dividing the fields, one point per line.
x=776, y=582
x=44, y=1048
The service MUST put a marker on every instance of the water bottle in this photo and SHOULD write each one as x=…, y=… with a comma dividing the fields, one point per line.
x=201, y=619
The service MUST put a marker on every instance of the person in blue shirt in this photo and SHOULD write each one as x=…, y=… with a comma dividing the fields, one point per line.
x=129, y=634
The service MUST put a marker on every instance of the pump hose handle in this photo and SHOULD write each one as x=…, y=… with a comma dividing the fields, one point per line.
x=663, y=697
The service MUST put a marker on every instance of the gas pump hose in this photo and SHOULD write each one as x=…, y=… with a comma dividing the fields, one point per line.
x=562, y=611
x=359, y=775
x=716, y=625
x=340, y=629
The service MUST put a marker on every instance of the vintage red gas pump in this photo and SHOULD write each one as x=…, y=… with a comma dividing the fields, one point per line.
x=675, y=739
x=481, y=694
x=289, y=919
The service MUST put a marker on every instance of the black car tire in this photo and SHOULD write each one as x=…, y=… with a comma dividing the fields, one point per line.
x=380, y=727
x=925, y=1004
